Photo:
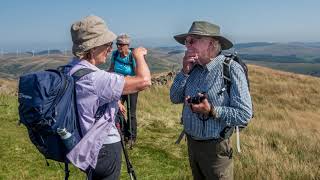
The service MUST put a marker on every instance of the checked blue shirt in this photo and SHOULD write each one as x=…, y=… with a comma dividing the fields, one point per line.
x=233, y=110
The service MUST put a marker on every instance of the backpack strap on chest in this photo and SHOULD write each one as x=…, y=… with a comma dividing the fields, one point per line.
x=227, y=82
x=116, y=54
x=79, y=74
x=226, y=73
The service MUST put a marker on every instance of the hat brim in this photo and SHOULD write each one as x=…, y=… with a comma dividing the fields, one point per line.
x=225, y=43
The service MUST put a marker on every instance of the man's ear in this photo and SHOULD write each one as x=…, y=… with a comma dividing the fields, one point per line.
x=211, y=44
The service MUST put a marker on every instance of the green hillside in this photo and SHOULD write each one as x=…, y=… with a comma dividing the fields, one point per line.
x=281, y=142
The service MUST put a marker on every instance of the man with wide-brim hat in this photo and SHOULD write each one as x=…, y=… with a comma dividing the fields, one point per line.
x=205, y=118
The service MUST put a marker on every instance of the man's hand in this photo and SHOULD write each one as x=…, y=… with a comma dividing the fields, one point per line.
x=203, y=107
x=189, y=60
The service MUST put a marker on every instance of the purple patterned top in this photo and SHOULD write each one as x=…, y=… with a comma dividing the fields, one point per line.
x=94, y=90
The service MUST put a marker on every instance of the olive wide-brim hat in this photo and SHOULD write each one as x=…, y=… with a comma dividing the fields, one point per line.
x=203, y=28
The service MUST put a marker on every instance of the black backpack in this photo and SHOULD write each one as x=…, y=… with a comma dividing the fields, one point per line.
x=226, y=72
x=228, y=131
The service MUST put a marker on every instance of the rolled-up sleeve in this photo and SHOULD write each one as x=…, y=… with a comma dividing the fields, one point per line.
x=240, y=110
x=177, y=88
x=109, y=86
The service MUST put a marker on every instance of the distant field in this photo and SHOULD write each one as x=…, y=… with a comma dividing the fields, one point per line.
x=301, y=68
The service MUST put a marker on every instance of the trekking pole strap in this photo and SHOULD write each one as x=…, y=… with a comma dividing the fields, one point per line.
x=238, y=139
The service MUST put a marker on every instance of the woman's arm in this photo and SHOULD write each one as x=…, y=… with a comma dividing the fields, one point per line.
x=142, y=80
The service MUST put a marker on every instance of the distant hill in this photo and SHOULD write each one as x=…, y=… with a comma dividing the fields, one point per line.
x=12, y=66
x=296, y=57
x=253, y=44
x=298, y=49
x=52, y=51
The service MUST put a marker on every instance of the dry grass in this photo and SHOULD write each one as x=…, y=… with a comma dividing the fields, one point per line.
x=8, y=87
x=281, y=142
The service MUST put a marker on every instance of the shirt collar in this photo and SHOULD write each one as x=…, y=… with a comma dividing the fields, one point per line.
x=214, y=62
x=84, y=63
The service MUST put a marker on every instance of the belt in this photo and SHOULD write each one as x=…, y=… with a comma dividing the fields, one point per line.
x=214, y=140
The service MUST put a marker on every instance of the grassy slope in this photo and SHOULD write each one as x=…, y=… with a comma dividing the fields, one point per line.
x=282, y=141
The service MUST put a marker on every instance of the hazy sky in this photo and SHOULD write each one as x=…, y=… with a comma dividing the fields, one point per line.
x=38, y=23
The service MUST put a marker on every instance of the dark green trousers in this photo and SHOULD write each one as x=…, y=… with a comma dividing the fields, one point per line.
x=210, y=159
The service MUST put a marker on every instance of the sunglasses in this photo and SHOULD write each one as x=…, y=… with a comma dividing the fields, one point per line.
x=192, y=40
x=118, y=44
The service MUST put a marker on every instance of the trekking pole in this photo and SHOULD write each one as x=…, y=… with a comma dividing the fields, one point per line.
x=129, y=119
x=130, y=169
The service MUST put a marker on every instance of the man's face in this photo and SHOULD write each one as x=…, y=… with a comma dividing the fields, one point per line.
x=198, y=44
x=122, y=47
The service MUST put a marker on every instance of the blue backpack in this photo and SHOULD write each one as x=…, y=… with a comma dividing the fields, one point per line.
x=47, y=105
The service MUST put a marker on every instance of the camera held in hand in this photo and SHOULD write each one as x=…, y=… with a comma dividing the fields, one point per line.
x=197, y=99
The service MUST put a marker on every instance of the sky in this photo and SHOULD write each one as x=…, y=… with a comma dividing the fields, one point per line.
x=46, y=24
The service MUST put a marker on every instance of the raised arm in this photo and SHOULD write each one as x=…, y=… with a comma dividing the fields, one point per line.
x=142, y=80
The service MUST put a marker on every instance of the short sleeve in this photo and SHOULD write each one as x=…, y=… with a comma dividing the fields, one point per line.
x=109, y=86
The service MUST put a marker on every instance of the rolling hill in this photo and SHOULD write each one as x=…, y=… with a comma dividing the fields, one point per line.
x=295, y=57
x=12, y=66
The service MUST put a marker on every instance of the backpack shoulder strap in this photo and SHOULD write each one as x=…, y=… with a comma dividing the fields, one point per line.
x=115, y=55
x=226, y=73
x=131, y=56
x=76, y=76
x=80, y=73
